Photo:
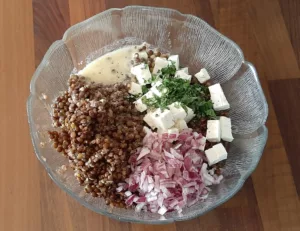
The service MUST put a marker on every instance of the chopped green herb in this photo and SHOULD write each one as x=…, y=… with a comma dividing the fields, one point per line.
x=194, y=96
x=154, y=77
x=132, y=98
x=168, y=71
x=145, y=89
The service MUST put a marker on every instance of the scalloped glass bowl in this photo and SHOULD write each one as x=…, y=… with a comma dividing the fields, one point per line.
x=199, y=45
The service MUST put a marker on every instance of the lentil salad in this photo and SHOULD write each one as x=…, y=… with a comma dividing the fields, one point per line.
x=110, y=132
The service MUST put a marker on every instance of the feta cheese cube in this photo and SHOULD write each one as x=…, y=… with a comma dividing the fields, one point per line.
x=163, y=119
x=202, y=75
x=174, y=59
x=213, y=133
x=139, y=105
x=220, y=149
x=185, y=70
x=216, y=154
x=142, y=73
x=148, y=118
x=161, y=131
x=159, y=64
x=155, y=88
x=212, y=156
x=149, y=95
x=182, y=75
x=226, y=133
x=146, y=130
x=177, y=111
x=218, y=98
x=190, y=115
x=173, y=131
x=181, y=124
x=135, y=89
x=154, y=81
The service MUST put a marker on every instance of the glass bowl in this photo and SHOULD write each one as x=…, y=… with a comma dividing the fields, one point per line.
x=199, y=45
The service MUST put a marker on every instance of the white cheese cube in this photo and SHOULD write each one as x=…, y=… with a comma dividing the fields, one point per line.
x=142, y=73
x=182, y=75
x=218, y=98
x=202, y=75
x=148, y=118
x=146, y=130
x=161, y=131
x=174, y=59
x=139, y=105
x=216, y=154
x=185, y=70
x=135, y=89
x=212, y=156
x=181, y=124
x=159, y=64
x=136, y=69
x=220, y=149
x=213, y=133
x=149, y=95
x=155, y=89
x=163, y=119
x=177, y=111
x=226, y=133
x=190, y=115
x=173, y=131
x=154, y=81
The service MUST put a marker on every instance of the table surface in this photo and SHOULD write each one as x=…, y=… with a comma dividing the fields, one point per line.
x=268, y=32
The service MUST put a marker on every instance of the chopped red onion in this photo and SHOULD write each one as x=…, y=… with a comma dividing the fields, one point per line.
x=167, y=176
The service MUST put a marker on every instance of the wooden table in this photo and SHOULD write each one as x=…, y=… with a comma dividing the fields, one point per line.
x=268, y=32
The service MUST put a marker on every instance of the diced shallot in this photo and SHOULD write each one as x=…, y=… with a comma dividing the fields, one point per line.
x=168, y=173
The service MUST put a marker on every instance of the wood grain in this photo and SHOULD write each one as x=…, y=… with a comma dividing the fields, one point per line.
x=56, y=14
x=19, y=171
x=268, y=33
x=271, y=34
x=232, y=19
x=82, y=9
x=291, y=13
x=288, y=117
x=240, y=213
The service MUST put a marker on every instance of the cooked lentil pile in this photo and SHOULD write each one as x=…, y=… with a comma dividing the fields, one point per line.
x=99, y=130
